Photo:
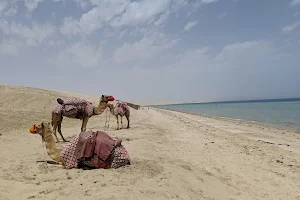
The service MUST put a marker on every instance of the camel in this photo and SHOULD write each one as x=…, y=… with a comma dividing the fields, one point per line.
x=76, y=108
x=44, y=130
x=74, y=154
x=120, y=109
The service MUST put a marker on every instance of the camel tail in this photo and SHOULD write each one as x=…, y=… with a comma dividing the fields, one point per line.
x=48, y=161
x=52, y=119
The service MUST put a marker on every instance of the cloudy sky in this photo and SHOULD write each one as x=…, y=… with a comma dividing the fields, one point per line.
x=153, y=50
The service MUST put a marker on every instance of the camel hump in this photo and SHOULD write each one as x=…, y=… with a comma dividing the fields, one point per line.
x=60, y=101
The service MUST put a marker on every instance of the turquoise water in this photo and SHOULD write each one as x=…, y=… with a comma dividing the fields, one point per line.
x=284, y=114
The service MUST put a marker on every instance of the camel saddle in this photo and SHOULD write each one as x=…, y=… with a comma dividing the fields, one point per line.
x=96, y=147
x=74, y=105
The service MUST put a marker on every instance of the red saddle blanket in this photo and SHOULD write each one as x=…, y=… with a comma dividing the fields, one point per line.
x=96, y=145
x=95, y=150
x=74, y=105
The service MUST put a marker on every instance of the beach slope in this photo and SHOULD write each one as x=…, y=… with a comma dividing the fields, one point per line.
x=174, y=156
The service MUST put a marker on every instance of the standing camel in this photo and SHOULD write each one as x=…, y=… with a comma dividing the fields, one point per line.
x=76, y=108
x=121, y=109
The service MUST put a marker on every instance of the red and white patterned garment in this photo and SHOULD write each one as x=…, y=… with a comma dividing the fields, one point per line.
x=68, y=154
x=121, y=157
x=75, y=103
x=122, y=108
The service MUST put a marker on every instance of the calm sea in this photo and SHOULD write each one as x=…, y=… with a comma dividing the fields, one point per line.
x=285, y=113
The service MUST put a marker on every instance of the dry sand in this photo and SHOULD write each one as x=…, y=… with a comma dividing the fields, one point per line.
x=174, y=156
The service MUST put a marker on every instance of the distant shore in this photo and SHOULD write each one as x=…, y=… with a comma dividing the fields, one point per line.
x=232, y=119
x=223, y=102
x=279, y=112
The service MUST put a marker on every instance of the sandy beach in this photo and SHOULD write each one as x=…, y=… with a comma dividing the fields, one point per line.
x=174, y=155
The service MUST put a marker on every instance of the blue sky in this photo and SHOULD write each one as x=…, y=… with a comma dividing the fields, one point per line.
x=153, y=50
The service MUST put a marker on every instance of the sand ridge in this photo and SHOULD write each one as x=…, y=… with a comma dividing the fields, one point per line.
x=174, y=156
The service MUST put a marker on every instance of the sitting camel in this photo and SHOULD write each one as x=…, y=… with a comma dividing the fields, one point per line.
x=91, y=150
x=76, y=108
x=121, y=109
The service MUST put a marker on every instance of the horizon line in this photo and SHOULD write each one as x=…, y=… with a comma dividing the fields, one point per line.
x=235, y=101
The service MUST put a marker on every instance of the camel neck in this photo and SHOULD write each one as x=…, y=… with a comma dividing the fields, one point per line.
x=100, y=109
x=113, y=111
x=52, y=149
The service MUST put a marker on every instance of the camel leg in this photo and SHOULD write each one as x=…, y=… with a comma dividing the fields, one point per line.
x=54, y=124
x=117, y=122
x=128, y=120
x=84, y=123
x=59, y=131
x=121, y=122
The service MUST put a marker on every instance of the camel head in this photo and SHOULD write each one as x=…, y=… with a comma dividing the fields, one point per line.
x=107, y=98
x=44, y=129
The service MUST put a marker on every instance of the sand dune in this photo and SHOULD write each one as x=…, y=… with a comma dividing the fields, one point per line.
x=174, y=156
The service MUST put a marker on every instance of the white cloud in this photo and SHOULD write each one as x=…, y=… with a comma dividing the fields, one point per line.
x=3, y=5
x=82, y=3
x=140, y=12
x=85, y=55
x=32, y=36
x=145, y=49
x=120, y=13
x=70, y=27
x=194, y=58
x=291, y=27
x=221, y=16
x=31, y=5
x=12, y=11
x=4, y=26
x=10, y=47
x=91, y=21
x=96, y=17
x=142, y=50
x=209, y=1
x=53, y=15
x=162, y=19
x=190, y=25
x=240, y=52
x=295, y=2
x=122, y=33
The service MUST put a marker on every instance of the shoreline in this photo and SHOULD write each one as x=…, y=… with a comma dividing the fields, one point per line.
x=288, y=99
x=269, y=133
x=282, y=127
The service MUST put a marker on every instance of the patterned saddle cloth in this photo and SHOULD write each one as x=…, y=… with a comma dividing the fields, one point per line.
x=118, y=157
x=122, y=108
x=74, y=105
